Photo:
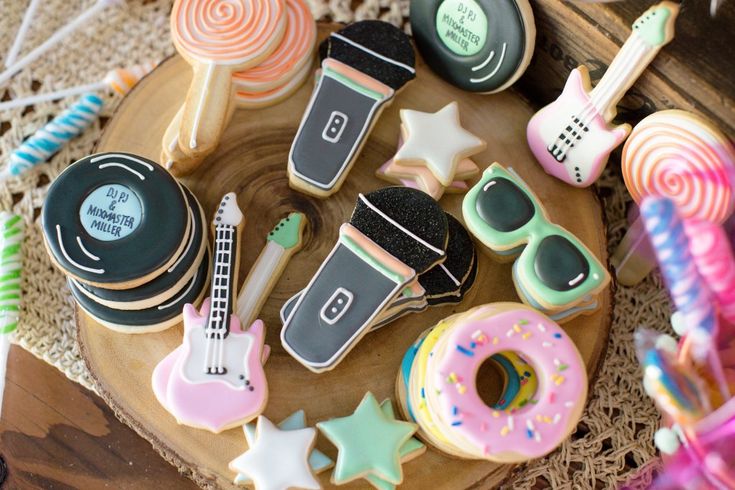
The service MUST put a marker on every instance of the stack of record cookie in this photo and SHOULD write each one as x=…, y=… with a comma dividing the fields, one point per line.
x=131, y=240
x=399, y=253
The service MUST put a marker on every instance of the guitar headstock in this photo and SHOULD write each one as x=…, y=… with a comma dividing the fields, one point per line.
x=656, y=25
x=228, y=213
x=288, y=231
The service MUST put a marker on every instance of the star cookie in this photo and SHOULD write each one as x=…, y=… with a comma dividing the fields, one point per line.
x=280, y=458
x=437, y=141
x=369, y=443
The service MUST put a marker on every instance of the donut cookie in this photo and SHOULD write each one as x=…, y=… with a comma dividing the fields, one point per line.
x=554, y=271
x=394, y=234
x=115, y=220
x=477, y=45
x=168, y=284
x=363, y=65
x=441, y=392
x=370, y=443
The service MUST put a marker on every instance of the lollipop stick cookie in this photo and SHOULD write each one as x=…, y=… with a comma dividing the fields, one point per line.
x=572, y=137
x=219, y=38
x=681, y=156
x=11, y=240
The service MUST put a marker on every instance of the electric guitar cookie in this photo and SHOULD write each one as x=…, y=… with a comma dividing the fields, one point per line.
x=572, y=137
x=215, y=380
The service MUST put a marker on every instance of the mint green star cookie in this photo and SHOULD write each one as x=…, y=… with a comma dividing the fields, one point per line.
x=368, y=442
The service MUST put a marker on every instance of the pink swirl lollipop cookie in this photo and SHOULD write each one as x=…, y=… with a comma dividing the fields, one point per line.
x=682, y=156
x=288, y=60
x=218, y=38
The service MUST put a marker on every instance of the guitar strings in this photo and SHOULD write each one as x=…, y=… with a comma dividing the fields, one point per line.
x=217, y=323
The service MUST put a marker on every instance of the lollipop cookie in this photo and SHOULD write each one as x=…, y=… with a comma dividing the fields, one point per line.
x=477, y=45
x=219, y=38
x=679, y=155
x=363, y=66
x=442, y=393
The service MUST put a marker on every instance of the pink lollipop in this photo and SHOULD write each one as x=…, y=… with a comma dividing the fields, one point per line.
x=219, y=38
x=683, y=157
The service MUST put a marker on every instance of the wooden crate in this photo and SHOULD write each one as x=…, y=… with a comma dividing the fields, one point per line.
x=696, y=71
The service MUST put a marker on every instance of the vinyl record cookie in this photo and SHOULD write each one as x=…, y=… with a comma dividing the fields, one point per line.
x=168, y=284
x=115, y=220
x=478, y=45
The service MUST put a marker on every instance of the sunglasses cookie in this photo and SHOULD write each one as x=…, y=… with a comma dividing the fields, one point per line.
x=363, y=65
x=554, y=271
x=394, y=234
x=437, y=385
x=477, y=45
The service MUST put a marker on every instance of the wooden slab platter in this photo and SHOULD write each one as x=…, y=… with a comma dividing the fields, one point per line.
x=251, y=161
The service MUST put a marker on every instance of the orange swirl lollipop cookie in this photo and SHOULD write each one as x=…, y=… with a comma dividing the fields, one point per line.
x=681, y=156
x=288, y=60
x=218, y=38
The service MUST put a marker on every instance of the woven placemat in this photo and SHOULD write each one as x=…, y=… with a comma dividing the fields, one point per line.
x=614, y=439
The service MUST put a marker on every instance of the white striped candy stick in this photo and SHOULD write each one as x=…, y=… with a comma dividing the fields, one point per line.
x=54, y=135
x=11, y=240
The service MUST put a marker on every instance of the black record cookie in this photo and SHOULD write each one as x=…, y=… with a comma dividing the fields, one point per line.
x=115, y=220
x=478, y=45
x=407, y=223
x=171, y=281
x=151, y=319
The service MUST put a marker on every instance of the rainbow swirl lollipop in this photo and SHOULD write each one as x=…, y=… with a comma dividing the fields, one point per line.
x=681, y=156
x=219, y=38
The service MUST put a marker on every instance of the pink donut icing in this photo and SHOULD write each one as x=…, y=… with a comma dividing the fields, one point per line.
x=535, y=429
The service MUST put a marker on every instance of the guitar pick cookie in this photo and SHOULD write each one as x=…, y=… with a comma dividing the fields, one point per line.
x=477, y=45
x=363, y=65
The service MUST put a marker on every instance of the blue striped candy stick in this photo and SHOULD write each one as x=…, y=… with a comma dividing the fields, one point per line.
x=11, y=240
x=54, y=135
x=671, y=246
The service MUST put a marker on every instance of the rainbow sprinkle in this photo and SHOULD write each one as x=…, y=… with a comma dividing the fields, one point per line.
x=465, y=351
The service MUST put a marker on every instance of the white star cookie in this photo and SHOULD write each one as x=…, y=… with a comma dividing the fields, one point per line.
x=438, y=141
x=278, y=459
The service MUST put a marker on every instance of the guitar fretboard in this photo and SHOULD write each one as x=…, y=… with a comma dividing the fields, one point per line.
x=221, y=292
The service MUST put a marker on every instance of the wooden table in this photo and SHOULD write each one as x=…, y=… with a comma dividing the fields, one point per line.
x=54, y=433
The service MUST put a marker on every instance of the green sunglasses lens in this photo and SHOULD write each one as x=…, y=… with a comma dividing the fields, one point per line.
x=504, y=206
x=559, y=264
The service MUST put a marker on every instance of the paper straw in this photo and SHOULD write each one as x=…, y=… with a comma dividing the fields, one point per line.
x=11, y=240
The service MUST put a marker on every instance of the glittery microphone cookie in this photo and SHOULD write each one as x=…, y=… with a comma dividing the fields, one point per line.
x=363, y=66
x=478, y=45
x=218, y=38
x=394, y=234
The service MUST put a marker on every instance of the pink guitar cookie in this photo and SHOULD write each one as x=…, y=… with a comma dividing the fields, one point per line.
x=572, y=137
x=215, y=379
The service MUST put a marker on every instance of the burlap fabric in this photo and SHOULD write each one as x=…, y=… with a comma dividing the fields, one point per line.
x=614, y=438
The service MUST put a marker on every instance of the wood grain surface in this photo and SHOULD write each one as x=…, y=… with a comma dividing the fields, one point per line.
x=251, y=161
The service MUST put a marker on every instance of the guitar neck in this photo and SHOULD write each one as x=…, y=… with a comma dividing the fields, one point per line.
x=223, y=278
x=625, y=69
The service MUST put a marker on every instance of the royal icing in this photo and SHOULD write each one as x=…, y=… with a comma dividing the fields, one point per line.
x=572, y=137
x=472, y=428
x=217, y=380
x=115, y=218
x=369, y=442
x=278, y=459
x=554, y=270
x=12, y=230
x=477, y=45
x=438, y=141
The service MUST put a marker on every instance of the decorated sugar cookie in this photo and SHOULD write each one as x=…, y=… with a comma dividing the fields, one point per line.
x=277, y=458
x=115, y=220
x=554, y=272
x=478, y=45
x=441, y=392
x=318, y=461
x=215, y=380
x=394, y=234
x=369, y=443
x=218, y=38
x=572, y=137
x=363, y=65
